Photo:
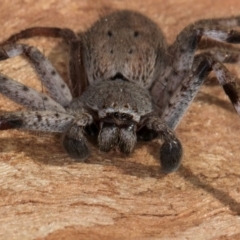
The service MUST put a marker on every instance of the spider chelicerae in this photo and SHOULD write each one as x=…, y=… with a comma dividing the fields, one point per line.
x=128, y=84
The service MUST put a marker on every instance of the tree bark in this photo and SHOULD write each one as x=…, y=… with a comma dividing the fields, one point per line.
x=46, y=195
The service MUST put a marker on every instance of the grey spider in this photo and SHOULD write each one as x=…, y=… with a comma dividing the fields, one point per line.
x=128, y=84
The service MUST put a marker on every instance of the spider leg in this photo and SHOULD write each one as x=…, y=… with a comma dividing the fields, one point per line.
x=71, y=126
x=181, y=54
x=171, y=150
x=57, y=88
x=225, y=55
x=77, y=72
x=45, y=121
x=74, y=140
x=228, y=22
x=27, y=96
x=184, y=47
x=76, y=68
x=67, y=34
x=189, y=87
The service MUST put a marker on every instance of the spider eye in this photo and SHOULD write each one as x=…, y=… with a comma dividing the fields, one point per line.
x=136, y=34
x=116, y=115
x=122, y=116
x=109, y=33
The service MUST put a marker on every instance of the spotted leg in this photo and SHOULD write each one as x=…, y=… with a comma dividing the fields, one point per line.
x=181, y=55
x=74, y=140
x=69, y=125
x=76, y=69
x=27, y=96
x=171, y=150
x=45, y=121
x=186, y=92
x=65, y=33
x=57, y=88
x=225, y=55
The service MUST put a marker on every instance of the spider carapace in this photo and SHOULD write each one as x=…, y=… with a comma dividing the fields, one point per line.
x=127, y=82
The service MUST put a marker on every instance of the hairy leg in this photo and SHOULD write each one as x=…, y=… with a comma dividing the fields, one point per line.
x=181, y=54
x=183, y=96
x=67, y=34
x=27, y=96
x=57, y=88
x=72, y=127
x=171, y=150
x=76, y=69
x=74, y=141
x=45, y=121
x=225, y=55
x=77, y=72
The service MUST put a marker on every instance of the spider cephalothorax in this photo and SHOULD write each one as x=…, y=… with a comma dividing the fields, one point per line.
x=127, y=83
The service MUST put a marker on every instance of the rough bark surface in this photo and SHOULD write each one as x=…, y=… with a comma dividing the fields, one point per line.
x=46, y=195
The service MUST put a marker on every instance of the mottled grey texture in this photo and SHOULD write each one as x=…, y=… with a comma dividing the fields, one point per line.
x=128, y=83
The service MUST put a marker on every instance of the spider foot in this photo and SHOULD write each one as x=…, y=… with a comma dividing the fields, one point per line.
x=170, y=156
x=75, y=143
x=76, y=148
x=171, y=150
